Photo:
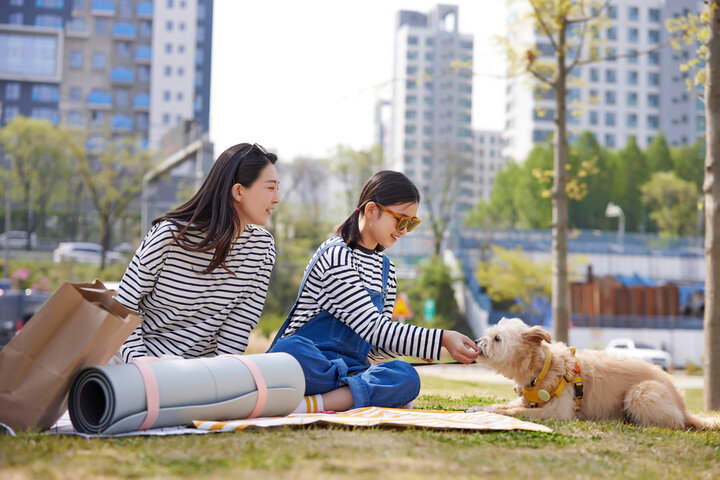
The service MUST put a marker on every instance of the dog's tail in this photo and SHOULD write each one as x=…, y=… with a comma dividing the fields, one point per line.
x=696, y=422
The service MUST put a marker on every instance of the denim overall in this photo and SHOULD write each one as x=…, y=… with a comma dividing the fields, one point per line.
x=332, y=355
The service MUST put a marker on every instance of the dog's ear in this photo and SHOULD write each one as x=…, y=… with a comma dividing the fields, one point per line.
x=536, y=335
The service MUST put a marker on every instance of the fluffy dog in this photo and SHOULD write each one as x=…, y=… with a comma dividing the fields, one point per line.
x=613, y=388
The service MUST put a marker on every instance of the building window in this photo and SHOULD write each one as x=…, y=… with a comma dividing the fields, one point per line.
x=75, y=94
x=44, y=93
x=412, y=54
x=632, y=99
x=169, y=26
x=654, y=15
x=633, y=35
x=166, y=95
x=632, y=56
x=654, y=58
x=429, y=56
x=633, y=14
x=53, y=21
x=125, y=7
x=179, y=96
x=611, y=33
x=16, y=3
x=410, y=115
x=122, y=98
x=76, y=58
x=653, y=121
x=411, y=100
x=98, y=60
x=143, y=73
x=632, y=77
x=10, y=112
x=612, y=11
x=610, y=119
x=12, y=91
x=410, y=129
x=610, y=76
x=654, y=36
x=170, y=3
x=168, y=70
x=123, y=50
x=166, y=118
x=181, y=26
x=610, y=140
x=145, y=29
x=181, y=48
x=15, y=18
x=653, y=78
x=100, y=26
x=594, y=75
x=610, y=98
x=631, y=120
x=74, y=118
x=593, y=117
x=653, y=100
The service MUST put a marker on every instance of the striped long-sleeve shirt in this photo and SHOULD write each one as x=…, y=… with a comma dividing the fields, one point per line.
x=337, y=284
x=186, y=312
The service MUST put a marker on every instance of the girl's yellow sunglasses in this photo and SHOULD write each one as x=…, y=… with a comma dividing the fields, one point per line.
x=403, y=221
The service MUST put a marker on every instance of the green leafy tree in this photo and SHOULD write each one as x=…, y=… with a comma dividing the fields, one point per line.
x=39, y=152
x=511, y=275
x=592, y=174
x=689, y=162
x=631, y=173
x=658, y=155
x=112, y=172
x=672, y=203
x=434, y=283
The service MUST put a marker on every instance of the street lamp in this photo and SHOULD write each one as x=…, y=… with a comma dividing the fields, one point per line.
x=613, y=210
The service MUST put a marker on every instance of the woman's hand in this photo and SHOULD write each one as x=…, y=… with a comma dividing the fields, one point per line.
x=460, y=347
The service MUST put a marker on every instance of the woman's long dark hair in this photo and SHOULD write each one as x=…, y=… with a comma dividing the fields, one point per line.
x=211, y=210
x=386, y=188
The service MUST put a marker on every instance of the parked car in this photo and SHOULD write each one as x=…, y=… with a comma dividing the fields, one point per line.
x=626, y=347
x=84, y=252
x=18, y=239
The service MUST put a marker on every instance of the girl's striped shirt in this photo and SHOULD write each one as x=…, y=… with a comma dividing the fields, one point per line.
x=188, y=313
x=337, y=284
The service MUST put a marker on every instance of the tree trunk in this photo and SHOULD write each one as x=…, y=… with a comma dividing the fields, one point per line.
x=559, y=297
x=711, y=188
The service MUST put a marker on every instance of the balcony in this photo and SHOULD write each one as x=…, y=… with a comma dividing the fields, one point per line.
x=143, y=54
x=104, y=8
x=122, y=123
x=122, y=75
x=124, y=30
x=99, y=98
x=141, y=101
x=144, y=9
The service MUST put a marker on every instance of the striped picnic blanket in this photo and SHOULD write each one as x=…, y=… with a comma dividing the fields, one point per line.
x=373, y=416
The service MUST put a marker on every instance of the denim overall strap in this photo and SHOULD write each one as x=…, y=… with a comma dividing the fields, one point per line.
x=313, y=261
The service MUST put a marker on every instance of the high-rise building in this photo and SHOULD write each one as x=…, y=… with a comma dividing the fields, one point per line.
x=639, y=94
x=431, y=137
x=137, y=66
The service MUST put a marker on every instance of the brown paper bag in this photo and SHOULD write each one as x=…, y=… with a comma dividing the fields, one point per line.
x=78, y=326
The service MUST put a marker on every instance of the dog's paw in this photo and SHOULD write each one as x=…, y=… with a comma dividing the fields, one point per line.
x=479, y=408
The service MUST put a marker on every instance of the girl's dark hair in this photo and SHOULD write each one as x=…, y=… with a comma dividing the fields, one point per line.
x=211, y=210
x=386, y=188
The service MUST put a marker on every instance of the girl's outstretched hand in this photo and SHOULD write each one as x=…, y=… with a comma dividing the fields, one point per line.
x=460, y=347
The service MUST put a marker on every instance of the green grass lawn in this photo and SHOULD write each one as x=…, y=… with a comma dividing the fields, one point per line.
x=575, y=450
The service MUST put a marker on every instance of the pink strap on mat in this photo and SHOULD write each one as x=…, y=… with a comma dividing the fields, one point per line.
x=152, y=397
x=259, y=383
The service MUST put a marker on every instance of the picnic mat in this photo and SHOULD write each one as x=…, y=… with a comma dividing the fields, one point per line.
x=374, y=416
x=362, y=417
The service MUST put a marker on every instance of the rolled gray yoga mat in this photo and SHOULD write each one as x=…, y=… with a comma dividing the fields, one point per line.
x=112, y=398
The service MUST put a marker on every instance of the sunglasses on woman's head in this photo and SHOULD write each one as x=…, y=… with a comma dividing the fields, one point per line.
x=403, y=220
x=261, y=150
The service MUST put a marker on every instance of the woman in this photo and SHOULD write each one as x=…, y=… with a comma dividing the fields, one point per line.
x=200, y=276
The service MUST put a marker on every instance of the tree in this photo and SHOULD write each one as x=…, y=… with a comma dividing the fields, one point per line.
x=353, y=168
x=658, y=155
x=631, y=173
x=112, y=170
x=511, y=275
x=568, y=26
x=705, y=30
x=39, y=153
x=672, y=203
x=688, y=162
x=500, y=210
x=434, y=283
x=439, y=193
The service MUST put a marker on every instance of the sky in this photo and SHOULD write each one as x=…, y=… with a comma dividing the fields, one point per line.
x=300, y=77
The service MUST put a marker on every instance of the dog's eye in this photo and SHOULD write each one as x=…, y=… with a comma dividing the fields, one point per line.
x=497, y=338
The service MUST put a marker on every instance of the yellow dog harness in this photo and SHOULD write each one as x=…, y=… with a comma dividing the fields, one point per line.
x=539, y=396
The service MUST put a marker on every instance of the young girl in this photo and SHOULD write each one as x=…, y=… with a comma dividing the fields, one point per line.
x=200, y=276
x=343, y=310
